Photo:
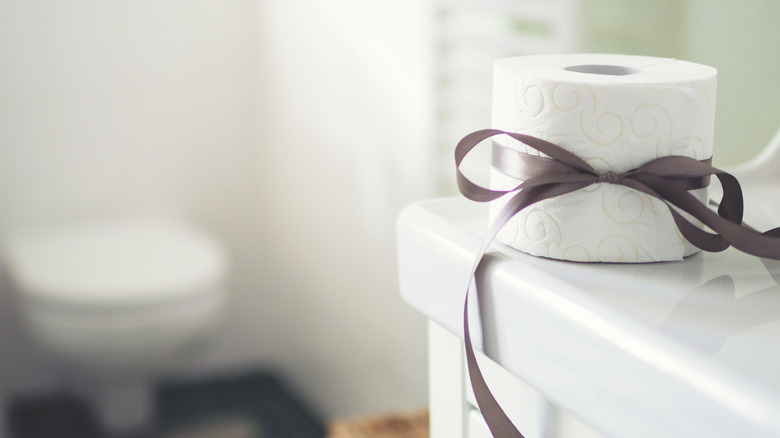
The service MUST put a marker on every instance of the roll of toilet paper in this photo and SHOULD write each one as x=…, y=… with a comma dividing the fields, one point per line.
x=616, y=112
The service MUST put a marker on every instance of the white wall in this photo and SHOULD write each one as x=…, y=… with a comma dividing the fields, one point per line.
x=118, y=106
x=343, y=149
x=294, y=133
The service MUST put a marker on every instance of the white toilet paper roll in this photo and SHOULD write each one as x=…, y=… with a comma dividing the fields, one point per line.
x=616, y=112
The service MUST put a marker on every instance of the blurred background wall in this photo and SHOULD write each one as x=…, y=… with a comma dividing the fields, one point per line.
x=294, y=131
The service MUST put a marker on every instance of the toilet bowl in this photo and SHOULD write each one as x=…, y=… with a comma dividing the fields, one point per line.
x=114, y=302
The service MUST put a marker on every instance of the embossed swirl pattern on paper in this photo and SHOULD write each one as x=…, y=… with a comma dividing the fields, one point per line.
x=615, y=124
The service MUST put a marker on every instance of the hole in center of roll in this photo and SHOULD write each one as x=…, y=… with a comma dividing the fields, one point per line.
x=610, y=70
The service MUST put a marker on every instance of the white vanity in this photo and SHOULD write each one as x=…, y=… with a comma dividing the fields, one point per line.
x=681, y=349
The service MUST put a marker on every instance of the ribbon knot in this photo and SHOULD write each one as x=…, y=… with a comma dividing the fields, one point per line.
x=610, y=178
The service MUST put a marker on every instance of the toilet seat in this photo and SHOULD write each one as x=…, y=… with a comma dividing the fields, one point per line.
x=114, y=303
x=118, y=265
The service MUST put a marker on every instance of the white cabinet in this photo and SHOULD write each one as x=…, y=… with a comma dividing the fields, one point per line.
x=679, y=350
x=454, y=410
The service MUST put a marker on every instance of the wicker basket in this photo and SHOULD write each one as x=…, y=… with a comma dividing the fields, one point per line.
x=410, y=425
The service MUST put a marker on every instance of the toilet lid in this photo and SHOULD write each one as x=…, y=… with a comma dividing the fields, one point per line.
x=129, y=262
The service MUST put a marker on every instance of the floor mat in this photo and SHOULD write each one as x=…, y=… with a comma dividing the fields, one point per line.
x=49, y=416
x=251, y=405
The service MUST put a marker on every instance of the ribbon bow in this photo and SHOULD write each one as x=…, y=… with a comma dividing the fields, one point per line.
x=666, y=179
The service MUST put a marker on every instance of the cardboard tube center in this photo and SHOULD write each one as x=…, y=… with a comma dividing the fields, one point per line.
x=610, y=70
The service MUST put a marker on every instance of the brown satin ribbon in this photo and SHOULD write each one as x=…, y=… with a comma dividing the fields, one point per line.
x=667, y=179
x=523, y=166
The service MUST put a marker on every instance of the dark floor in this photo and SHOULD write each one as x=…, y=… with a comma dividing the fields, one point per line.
x=252, y=405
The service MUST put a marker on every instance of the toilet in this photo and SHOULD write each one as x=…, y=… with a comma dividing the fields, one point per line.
x=116, y=301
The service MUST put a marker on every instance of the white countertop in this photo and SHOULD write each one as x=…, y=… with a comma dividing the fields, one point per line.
x=642, y=350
